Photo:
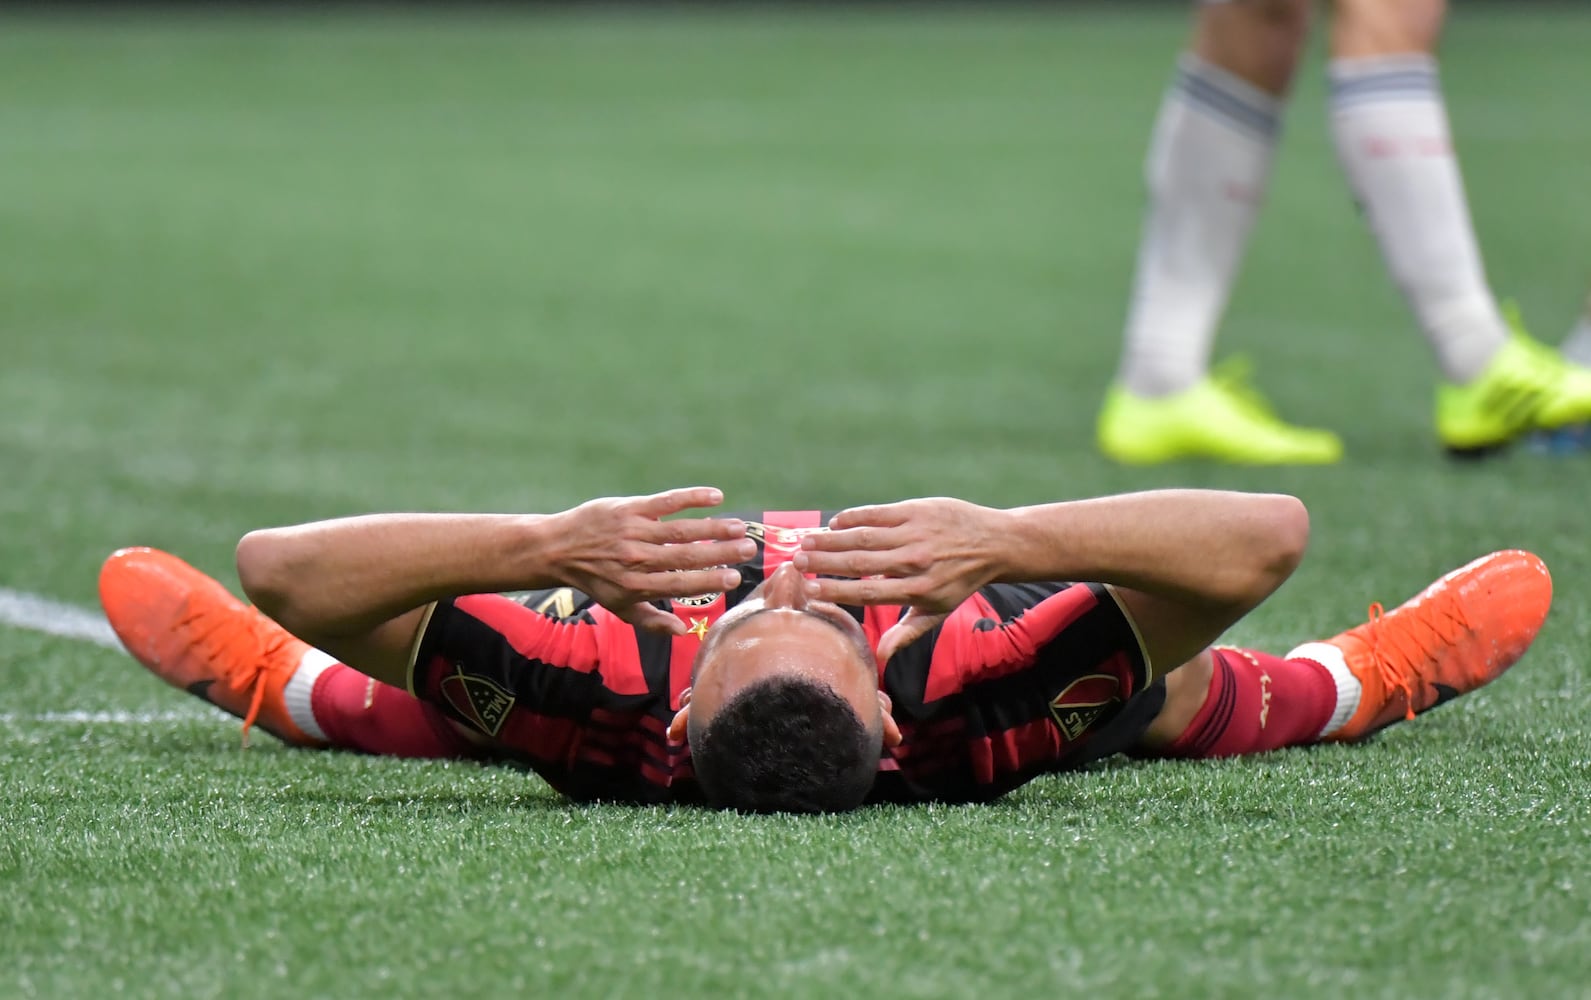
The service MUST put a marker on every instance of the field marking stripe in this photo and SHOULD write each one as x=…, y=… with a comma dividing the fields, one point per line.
x=37, y=613
x=40, y=614
x=111, y=718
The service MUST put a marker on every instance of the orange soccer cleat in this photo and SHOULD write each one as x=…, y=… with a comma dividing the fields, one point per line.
x=1456, y=635
x=194, y=635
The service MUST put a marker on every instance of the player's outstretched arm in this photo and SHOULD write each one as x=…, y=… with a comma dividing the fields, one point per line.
x=357, y=587
x=1188, y=563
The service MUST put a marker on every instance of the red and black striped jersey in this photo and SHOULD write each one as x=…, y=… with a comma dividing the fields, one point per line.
x=1019, y=680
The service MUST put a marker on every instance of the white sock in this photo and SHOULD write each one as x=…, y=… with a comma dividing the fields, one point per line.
x=1208, y=167
x=1349, y=690
x=300, y=686
x=1390, y=126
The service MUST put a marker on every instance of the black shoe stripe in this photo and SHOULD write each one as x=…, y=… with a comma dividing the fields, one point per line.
x=1444, y=694
x=1517, y=403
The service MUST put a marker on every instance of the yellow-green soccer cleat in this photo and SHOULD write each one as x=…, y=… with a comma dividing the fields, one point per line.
x=1526, y=387
x=1221, y=417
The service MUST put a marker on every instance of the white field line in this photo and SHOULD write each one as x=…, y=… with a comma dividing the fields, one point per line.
x=40, y=614
x=110, y=718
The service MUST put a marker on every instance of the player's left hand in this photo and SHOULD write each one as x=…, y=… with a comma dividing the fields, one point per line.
x=928, y=555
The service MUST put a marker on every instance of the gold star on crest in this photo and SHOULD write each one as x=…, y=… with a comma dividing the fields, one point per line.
x=698, y=628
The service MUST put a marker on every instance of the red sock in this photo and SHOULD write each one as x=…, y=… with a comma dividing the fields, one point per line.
x=1258, y=702
x=359, y=713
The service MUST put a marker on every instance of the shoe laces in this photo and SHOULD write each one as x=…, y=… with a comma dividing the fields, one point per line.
x=242, y=650
x=1234, y=377
x=1515, y=318
x=1545, y=361
x=1402, y=645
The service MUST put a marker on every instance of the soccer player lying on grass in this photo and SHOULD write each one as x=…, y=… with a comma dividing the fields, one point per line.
x=906, y=652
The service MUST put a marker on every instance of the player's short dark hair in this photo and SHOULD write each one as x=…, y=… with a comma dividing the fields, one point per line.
x=786, y=744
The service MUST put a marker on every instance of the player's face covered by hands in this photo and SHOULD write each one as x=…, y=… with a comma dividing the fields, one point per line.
x=621, y=552
x=928, y=555
x=780, y=630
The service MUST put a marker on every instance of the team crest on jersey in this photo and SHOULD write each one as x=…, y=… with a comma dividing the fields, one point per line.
x=482, y=703
x=1077, y=708
x=699, y=601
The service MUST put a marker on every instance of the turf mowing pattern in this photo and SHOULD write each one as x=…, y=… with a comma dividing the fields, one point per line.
x=260, y=270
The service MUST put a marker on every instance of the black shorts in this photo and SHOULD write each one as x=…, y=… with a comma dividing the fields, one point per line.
x=1126, y=729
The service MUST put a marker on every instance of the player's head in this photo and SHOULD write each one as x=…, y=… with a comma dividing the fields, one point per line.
x=784, y=713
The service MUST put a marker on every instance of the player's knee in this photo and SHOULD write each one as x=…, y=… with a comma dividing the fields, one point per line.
x=1285, y=19
x=1280, y=534
x=1292, y=519
x=1386, y=27
x=1289, y=530
x=1265, y=551
x=261, y=570
x=1259, y=41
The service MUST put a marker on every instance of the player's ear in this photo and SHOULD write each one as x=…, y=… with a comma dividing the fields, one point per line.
x=886, y=708
x=676, y=728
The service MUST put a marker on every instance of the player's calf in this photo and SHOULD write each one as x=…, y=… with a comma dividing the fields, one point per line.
x=1457, y=635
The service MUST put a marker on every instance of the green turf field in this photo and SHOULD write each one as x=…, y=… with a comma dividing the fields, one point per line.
x=257, y=270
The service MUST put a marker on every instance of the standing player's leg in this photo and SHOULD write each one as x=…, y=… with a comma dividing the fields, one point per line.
x=194, y=634
x=1208, y=168
x=1461, y=632
x=1577, y=346
x=1390, y=127
x=1572, y=439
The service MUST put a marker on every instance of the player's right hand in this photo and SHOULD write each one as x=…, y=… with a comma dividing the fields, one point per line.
x=621, y=552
